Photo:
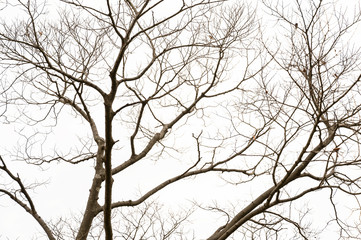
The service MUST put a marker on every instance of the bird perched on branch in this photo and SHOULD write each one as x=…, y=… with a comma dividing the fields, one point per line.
x=336, y=149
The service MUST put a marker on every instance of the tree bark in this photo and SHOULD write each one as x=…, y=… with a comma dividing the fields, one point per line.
x=92, y=206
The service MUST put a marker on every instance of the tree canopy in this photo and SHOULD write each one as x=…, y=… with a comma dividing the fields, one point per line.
x=148, y=106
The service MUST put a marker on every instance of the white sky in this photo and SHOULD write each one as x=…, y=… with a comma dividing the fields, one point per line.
x=67, y=190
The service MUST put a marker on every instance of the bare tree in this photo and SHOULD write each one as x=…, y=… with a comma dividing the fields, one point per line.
x=187, y=83
x=312, y=98
x=134, y=73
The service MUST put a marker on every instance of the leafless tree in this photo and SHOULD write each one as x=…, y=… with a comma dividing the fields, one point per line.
x=191, y=84
x=311, y=95
x=135, y=72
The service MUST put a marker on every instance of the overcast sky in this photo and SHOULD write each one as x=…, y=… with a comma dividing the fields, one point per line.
x=67, y=187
